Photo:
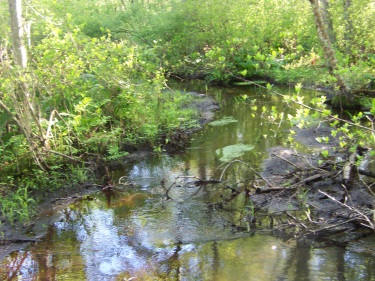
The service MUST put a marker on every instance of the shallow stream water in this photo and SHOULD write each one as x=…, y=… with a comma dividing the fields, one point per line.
x=140, y=233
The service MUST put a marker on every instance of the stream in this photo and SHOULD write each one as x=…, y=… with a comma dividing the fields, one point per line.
x=140, y=233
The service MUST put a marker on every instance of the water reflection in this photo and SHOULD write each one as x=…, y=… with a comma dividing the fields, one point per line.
x=171, y=241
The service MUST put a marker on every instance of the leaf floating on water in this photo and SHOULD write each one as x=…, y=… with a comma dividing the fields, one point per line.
x=224, y=121
x=231, y=152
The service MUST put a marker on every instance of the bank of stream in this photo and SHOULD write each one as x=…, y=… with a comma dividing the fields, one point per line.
x=194, y=215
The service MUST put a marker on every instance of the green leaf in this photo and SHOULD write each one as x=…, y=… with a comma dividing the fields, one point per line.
x=231, y=152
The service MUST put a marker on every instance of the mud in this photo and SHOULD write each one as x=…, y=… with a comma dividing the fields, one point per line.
x=326, y=207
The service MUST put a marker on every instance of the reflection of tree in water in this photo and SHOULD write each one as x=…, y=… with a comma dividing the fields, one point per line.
x=46, y=260
x=297, y=264
x=171, y=267
x=215, y=261
x=16, y=267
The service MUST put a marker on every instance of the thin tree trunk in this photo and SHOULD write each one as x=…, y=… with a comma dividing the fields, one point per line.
x=25, y=115
x=328, y=48
x=18, y=32
x=348, y=27
x=328, y=20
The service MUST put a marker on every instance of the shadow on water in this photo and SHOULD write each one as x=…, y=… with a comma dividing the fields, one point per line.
x=137, y=233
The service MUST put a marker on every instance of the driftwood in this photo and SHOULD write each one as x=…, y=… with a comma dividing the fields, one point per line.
x=294, y=186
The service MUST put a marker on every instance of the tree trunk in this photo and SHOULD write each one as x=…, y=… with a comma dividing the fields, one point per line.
x=18, y=32
x=328, y=21
x=348, y=27
x=328, y=48
x=25, y=115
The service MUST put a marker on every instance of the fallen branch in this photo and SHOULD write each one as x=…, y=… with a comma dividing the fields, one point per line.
x=294, y=186
x=74, y=159
x=204, y=182
x=297, y=220
x=320, y=232
x=355, y=210
x=287, y=161
x=17, y=240
x=369, y=92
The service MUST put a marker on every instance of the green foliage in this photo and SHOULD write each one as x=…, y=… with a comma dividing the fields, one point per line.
x=21, y=192
x=98, y=92
x=17, y=206
x=92, y=95
x=350, y=133
x=302, y=196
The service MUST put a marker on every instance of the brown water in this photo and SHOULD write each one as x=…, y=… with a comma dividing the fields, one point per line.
x=139, y=233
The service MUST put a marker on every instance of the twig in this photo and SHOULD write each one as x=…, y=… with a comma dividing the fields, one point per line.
x=314, y=232
x=294, y=186
x=243, y=163
x=355, y=210
x=290, y=163
x=75, y=159
x=17, y=240
x=297, y=220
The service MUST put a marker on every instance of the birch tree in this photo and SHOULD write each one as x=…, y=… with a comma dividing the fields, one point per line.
x=18, y=32
x=21, y=108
